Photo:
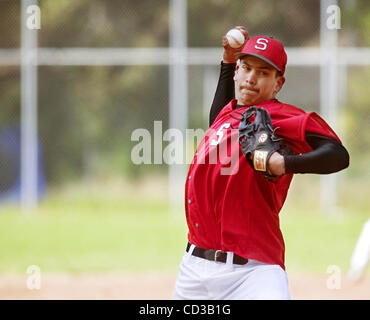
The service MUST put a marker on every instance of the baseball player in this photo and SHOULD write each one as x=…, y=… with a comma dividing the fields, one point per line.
x=235, y=246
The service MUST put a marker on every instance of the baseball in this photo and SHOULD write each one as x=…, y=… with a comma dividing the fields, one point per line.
x=235, y=38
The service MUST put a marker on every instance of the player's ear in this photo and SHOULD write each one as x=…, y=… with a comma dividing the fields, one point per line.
x=236, y=71
x=279, y=84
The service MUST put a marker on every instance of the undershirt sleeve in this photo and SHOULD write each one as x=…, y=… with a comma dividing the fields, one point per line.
x=328, y=156
x=225, y=90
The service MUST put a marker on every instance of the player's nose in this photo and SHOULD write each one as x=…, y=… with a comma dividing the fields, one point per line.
x=251, y=77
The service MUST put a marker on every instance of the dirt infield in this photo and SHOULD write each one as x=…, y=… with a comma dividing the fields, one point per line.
x=155, y=287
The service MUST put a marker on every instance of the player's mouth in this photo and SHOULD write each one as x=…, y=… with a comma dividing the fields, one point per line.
x=249, y=89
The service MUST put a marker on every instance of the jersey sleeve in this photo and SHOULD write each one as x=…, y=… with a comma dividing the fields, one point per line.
x=318, y=125
x=294, y=124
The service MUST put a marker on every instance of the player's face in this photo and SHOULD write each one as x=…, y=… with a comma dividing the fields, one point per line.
x=256, y=81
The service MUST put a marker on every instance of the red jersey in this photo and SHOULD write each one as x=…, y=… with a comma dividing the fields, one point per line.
x=231, y=207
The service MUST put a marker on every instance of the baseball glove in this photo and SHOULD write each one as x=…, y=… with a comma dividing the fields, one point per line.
x=258, y=140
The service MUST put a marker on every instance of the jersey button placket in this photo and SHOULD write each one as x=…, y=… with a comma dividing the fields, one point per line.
x=189, y=178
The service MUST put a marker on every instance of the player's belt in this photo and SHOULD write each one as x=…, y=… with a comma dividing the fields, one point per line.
x=215, y=255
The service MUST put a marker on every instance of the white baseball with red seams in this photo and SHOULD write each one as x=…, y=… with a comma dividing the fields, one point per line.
x=235, y=38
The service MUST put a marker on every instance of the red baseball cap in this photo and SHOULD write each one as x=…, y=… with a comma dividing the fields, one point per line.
x=268, y=49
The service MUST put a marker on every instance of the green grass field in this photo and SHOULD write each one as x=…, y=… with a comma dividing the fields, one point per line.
x=100, y=231
x=92, y=237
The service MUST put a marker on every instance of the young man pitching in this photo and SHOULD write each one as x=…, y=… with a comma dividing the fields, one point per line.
x=235, y=247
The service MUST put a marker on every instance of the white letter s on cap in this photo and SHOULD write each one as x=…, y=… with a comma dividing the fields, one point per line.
x=263, y=42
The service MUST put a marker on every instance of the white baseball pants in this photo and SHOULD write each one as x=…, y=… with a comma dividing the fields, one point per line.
x=201, y=279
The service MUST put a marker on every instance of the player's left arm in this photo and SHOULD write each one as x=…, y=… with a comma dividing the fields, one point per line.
x=327, y=156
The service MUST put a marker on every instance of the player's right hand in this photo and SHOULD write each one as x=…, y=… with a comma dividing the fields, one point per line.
x=229, y=52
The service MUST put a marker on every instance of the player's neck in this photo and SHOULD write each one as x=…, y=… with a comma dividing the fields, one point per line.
x=241, y=105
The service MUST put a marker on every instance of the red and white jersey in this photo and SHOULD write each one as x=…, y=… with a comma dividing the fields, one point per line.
x=231, y=207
